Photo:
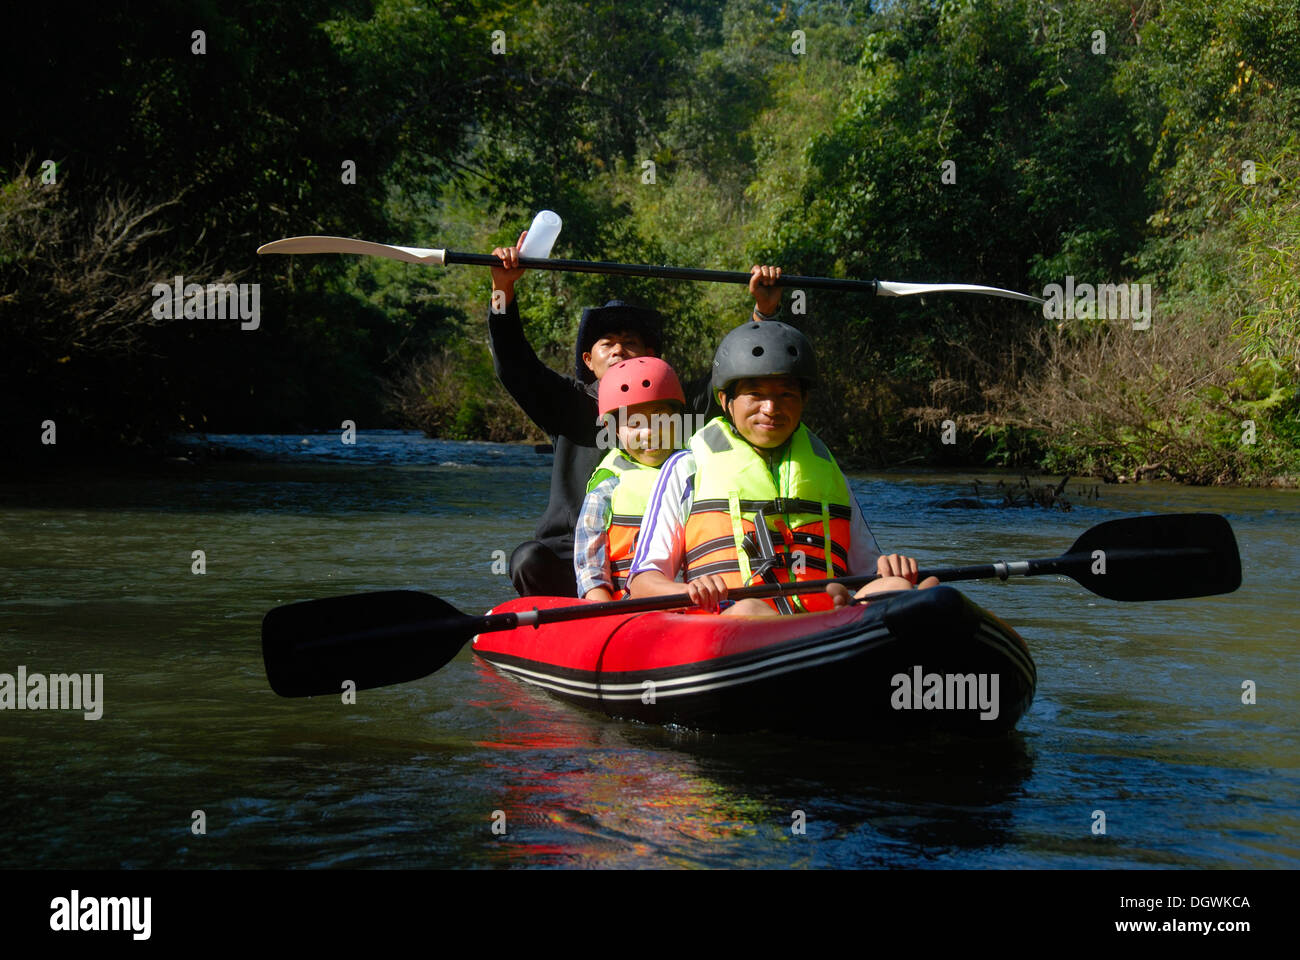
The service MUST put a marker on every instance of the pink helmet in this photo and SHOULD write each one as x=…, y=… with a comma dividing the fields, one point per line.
x=639, y=380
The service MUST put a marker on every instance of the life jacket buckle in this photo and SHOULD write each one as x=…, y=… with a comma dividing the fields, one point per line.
x=761, y=545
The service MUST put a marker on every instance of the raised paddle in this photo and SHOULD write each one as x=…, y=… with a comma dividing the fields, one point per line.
x=435, y=257
x=377, y=639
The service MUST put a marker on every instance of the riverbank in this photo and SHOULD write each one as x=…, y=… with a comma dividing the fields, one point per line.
x=186, y=451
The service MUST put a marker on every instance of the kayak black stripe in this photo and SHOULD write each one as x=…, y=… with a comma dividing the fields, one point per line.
x=719, y=680
x=1009, y=649
x=568, y=676
x=701, y=681
x=695, y=674
x=1009, y=646
x=774, y=670
x=586, y=680
x=1005, y=646
x=542, y=679
x=795, y=653
x=793, y=645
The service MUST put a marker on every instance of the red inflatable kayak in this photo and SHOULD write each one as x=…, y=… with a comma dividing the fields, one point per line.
x=915, y=661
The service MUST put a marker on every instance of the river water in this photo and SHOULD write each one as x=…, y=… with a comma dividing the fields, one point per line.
x=1138, y=714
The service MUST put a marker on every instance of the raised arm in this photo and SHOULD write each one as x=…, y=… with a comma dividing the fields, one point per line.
x=552, y=401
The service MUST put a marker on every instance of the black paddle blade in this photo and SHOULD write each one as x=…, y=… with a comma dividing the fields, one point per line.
x=1163, y=557
x=372, y=639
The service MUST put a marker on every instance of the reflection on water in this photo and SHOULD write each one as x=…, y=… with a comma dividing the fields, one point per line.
x=1138, y=714
x=568, y=777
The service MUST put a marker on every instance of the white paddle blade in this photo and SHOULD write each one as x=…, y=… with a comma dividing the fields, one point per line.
x=348, y=245
x=890, y=288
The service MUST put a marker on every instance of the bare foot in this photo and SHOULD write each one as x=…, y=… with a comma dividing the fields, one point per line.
x=840, y=593
x=749, y=607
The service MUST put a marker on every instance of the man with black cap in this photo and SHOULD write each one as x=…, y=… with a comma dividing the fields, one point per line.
x=565, y=407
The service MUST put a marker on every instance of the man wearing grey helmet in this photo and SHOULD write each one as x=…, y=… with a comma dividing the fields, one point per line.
x=757, y=495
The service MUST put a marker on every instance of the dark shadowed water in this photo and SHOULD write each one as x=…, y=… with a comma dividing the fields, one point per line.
x=1139, y=710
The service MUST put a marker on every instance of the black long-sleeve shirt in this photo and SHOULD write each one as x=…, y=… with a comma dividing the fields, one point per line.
x=565, y=408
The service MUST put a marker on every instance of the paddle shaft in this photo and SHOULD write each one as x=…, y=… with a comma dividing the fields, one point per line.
x=662, y=273
x=1063, y=564
x=1066, y=563
x=430, y=256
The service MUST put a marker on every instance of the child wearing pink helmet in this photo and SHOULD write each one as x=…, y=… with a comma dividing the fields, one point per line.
x=641, y=402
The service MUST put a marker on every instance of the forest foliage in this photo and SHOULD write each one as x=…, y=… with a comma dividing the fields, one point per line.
x=1013, y=143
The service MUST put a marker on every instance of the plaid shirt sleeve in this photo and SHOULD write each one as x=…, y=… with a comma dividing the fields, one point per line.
x=591, y=539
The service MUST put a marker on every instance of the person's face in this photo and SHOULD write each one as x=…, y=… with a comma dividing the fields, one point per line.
x=765, y=410
x=649, y=432
x=613, y=348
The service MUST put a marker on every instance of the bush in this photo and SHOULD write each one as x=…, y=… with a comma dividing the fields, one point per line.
x=454, y=393
x=1169, y=402
x=82, y=344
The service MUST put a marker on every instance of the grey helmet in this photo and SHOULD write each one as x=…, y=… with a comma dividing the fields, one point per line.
x=767, y=349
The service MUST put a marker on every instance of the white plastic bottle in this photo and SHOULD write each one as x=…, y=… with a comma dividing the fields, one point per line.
x=541, y=235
